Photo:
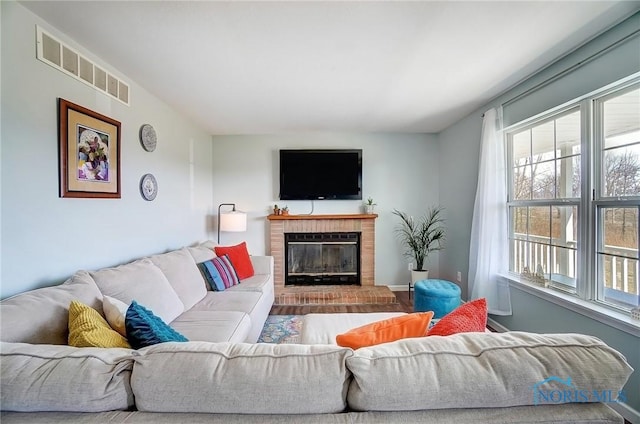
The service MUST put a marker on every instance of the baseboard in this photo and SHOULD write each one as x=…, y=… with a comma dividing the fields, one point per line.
x=403, y=287
x=497, y=326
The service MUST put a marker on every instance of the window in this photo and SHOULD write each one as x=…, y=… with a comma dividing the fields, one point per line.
x=574, y=197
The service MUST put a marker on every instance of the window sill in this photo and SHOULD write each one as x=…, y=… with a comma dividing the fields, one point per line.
x=592, y=310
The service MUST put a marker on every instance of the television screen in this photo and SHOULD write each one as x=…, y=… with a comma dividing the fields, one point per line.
x=320, y=174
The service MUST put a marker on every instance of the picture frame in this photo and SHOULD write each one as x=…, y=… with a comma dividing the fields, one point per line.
x=89, y=152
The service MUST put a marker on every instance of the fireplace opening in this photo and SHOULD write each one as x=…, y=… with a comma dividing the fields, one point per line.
x=322, y=258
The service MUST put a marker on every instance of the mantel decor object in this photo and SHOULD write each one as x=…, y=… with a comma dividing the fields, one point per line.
x=89, y=152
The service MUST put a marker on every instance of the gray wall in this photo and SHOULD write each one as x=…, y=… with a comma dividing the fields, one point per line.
x=399, y=171
x=46, y=238
x=459, y=147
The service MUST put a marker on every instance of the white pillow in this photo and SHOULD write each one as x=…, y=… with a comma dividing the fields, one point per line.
x=115, y=312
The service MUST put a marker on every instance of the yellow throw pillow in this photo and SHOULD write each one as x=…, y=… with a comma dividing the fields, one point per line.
x=388, y=330
x=87, y=328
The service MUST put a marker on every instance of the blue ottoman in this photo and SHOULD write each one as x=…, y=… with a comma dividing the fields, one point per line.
x=439, y=296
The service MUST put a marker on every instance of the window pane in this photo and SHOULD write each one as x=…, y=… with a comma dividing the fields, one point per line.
x=622, y=171
x=568, y=134
x=519, y=222
x=568, y=178
x=563, y=272
x=622, y=119
x=543, y=142
x=620, y=231
x=544, y=180
x=521, y=146
x=522, y=183
x=618, y=256
x=619, y=281
x=564, y=226
x=540, y=224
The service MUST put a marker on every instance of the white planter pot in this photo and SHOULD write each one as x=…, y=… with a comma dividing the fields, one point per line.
x=419, y=275
x=368, y=209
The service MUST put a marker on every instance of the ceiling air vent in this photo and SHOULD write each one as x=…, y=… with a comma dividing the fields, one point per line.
x=52, y=52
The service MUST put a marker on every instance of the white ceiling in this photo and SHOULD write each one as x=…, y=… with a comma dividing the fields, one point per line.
x=274, y=67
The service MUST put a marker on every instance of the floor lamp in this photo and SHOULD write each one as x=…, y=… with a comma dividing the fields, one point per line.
x=233, y=220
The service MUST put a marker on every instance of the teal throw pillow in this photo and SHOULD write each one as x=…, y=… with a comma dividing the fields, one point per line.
x=146, y=329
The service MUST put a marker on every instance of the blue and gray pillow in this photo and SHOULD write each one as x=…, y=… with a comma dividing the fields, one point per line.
x=220, y=273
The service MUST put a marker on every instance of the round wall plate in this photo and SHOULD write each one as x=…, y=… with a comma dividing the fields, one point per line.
x=148, y=187
x=148, y=137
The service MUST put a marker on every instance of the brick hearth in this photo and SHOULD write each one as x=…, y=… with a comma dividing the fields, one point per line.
x=334, y=295
x=366, y=293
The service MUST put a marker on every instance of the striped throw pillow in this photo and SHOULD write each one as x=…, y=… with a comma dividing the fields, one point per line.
x=220, y=273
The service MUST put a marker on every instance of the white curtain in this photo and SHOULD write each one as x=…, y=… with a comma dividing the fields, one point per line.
x=488, y=252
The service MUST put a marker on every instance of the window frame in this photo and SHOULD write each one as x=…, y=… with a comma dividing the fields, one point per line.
x=585, y=299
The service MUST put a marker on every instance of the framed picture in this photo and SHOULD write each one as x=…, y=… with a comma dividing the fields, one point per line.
x=89, y=149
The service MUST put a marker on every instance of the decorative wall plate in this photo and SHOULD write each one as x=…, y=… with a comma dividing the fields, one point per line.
x=148, y=187
x=148, y=137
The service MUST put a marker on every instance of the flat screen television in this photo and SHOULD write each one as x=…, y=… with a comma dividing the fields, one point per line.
x=320, y=174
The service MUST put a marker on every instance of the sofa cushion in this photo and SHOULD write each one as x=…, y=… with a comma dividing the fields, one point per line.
x=229, y=301
x=386, y=330
x=480, y=370
x=183, y=275
x=146, y=329
x=141, y=281
x=213, y=326
x=239, y=257
x=259, y=283
x=323, y=328
x=87, y=328
x=241, y=378
x=202, y=252
x=64, y=378
x=41, y=316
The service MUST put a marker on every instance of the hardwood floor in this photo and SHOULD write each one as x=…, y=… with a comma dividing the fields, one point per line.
x=404, y=305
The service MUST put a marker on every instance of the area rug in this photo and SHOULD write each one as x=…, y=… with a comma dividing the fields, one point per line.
x=281, y=329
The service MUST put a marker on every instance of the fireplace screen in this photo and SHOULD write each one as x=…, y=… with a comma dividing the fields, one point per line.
x=322, y=258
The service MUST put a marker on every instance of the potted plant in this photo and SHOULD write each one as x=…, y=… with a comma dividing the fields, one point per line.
x=420, y=238
x=285, y=210
x=276, y=210
x=369, y=206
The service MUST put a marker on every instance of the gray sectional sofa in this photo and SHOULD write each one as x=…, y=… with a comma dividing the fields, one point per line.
x=223, y=376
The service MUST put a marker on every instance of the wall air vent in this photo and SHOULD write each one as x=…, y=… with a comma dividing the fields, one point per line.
x=51, y=51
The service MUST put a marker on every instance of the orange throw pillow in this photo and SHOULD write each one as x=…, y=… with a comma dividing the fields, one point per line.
x=388, y=330
x=468, y=318
x=239, y=257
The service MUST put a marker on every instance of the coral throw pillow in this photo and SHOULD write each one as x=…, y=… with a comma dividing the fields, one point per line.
x=388, y=330
x=468, y=318
x=144, y=328
x=87, y=328
x=239, y=257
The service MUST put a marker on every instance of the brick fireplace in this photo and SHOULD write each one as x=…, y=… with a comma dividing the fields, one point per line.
x=363, y=225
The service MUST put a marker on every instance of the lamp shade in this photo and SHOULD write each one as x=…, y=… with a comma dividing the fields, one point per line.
x=235, y=221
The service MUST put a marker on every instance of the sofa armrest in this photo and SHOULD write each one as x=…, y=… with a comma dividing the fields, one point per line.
x=262, y=264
